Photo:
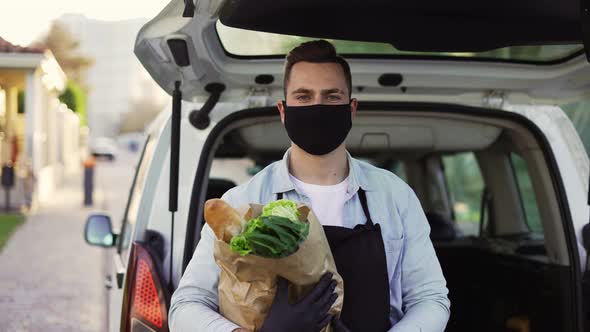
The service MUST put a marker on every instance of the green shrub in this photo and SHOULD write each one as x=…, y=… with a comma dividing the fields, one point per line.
x=8, y=224
x=75, y=98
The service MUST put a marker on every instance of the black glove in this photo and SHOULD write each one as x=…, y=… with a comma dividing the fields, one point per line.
x=338, y=326
x=309, y=315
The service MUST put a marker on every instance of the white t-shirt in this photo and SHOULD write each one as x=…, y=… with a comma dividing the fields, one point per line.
x=327, y=202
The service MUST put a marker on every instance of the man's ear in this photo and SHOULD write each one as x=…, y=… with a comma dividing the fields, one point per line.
x=353, y=106
x=281, y=108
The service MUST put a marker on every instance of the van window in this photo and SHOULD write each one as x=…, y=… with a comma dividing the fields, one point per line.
x=130, y=215
x=527, y=194
x=236, y=170
x=250, y=43
x=465, y=185
x=580, y=117
x=398, y=168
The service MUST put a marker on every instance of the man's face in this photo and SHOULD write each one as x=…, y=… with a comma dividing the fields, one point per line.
x=317, y=83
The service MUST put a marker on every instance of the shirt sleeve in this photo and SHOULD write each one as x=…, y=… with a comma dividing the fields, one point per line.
x=425, y=300
x=194, y=304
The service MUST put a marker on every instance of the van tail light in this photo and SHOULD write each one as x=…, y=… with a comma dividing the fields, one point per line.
x=144, y=300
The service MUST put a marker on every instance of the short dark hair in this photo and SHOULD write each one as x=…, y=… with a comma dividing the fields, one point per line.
x=316, y=51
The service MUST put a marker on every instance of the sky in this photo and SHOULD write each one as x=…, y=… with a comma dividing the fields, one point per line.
x=23, y=21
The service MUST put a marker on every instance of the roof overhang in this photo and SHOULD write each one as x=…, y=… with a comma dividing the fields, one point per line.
x=52, y=76
x=21, y=60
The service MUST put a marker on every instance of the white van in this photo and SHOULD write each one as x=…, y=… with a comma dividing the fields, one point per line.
x=465, y=110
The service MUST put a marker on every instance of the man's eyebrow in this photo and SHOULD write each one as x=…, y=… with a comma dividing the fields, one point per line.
x=330, y=91
x=301, y=90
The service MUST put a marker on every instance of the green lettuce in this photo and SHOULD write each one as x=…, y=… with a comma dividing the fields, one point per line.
x=240, y=245
x=276, y=233
x=281, y=208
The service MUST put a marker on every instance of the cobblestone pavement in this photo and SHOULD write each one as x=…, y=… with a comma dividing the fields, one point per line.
x=50, y=279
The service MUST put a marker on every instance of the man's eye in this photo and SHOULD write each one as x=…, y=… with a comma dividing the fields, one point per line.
x=302, y=97
x=334, y=97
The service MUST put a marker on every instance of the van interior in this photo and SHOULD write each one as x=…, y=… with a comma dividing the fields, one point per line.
x=486, y=184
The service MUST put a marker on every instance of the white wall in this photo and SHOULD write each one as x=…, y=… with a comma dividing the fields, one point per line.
x=116, y=76
x=52, y=139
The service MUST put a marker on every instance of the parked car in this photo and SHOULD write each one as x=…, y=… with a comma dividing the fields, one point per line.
x=468, y=114
x=104, y=148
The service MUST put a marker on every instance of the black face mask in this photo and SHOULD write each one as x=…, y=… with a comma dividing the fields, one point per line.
x=318, y=129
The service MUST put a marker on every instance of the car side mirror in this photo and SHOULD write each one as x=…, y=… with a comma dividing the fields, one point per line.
x=98, y=231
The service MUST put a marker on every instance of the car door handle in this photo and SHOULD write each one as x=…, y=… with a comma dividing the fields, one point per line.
x=108, y=282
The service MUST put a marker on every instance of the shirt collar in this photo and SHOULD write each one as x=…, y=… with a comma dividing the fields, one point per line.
x=282, y=183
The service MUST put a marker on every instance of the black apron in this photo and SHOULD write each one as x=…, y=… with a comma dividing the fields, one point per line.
x=359, y=254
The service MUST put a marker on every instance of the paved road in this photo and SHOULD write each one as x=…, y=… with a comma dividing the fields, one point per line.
x=50, y=279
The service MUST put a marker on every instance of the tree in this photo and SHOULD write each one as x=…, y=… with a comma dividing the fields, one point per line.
x=143, y=108
x=65, y=49
x=75, y=98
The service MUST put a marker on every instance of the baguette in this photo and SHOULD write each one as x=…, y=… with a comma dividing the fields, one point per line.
x=225, y=221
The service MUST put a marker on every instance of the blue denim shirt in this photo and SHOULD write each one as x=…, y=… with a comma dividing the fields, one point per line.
x=418, y=293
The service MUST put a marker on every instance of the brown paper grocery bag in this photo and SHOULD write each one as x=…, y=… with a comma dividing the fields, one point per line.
x=247, y=284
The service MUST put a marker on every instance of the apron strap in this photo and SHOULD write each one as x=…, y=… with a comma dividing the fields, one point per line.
x=363, y=199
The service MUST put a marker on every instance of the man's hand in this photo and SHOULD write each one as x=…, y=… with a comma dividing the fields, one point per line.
x=310, y=314
x=338, y=326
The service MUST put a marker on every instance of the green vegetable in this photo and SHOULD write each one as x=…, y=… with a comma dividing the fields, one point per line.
x=281, y=208
x=240, y=245
x=276, y=233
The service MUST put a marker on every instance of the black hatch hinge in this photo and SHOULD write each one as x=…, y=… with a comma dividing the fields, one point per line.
x=200, y=118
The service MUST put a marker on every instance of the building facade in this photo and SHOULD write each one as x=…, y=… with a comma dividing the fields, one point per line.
x=39, y=136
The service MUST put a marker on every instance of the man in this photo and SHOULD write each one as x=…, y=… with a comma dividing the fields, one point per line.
x=374, y=222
